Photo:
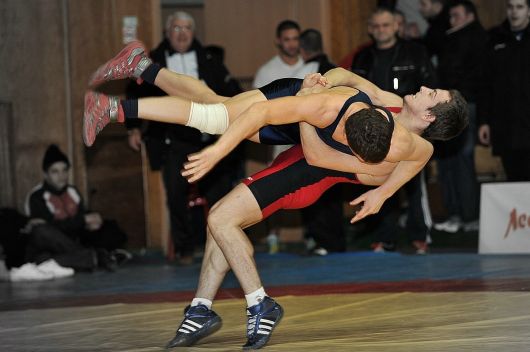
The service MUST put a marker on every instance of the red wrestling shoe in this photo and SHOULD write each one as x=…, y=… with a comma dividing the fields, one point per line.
x=130, y=62
x=100, y=109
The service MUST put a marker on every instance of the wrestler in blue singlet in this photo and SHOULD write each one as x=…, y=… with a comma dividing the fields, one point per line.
x=290, y=133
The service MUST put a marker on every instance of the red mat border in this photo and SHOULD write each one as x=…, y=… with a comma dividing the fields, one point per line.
x=490, y=285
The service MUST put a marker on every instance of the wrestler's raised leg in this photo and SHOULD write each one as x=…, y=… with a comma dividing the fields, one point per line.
x=132, y=62
x=100, y=109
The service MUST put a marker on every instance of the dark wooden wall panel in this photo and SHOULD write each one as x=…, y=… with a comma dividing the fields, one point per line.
x=7, y=174
x=348, y=25
x=49, y=50
x=491, y=13
x=32, y=80
x=246, y=28
x=113, y=170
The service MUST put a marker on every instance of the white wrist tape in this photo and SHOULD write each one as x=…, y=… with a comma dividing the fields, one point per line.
x=208, y=118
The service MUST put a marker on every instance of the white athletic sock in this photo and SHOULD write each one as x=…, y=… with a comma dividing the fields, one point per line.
x=206, y=302
x=255, y=297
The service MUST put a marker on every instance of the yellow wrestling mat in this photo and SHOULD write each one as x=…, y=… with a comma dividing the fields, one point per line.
x=464, y=321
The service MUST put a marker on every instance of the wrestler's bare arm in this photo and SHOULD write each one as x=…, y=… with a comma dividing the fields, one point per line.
x=388, y=176
x=318, y=153
x=341, y=77
x=319, y=110
x=412, y=162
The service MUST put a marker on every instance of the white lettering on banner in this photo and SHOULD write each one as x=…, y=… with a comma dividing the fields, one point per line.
x=517, y=222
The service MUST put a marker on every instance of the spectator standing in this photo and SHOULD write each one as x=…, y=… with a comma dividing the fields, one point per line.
x=460, y=67
x=437, y=16
x=504, y=113
x=168, y=146
x=402, y=67
x=323, y=220
x=287, y=63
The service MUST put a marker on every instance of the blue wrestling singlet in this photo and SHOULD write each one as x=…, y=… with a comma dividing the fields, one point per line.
x=290, y=133
x=281, y=134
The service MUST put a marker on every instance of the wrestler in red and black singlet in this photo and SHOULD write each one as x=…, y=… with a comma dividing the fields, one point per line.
x=290, y=182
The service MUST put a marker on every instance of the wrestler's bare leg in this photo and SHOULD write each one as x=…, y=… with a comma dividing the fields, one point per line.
x=229, y=216
x=226, y=239
x=226, y=221
x=186, y=87
x=213, y=270
x=176, y=110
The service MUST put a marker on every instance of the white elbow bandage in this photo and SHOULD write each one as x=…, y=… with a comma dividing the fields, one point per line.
x=208, y=118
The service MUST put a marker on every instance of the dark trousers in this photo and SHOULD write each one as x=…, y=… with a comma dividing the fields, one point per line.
x=188, y=225
x=418, y=214
x=177, y=190
x=457, y=175
x=516, y=164
x=419, y=221
x=48, y=242
x=323, y=221
x=109, y=236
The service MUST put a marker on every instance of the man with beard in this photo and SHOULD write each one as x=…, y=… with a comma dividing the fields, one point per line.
x=287, y=63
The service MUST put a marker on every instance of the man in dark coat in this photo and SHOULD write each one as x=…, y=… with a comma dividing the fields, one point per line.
x=504, y=109
x=402, y=67
x=460, y=67
x=168, y=146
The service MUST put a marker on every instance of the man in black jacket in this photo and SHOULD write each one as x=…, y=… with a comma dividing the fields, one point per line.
x=437, y=15
x=401, y=67
x=504, y=111
x=169, y=145
x=460, y=67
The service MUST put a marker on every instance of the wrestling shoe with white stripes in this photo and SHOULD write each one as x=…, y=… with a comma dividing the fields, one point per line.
x=262, y=318
x=199, y=322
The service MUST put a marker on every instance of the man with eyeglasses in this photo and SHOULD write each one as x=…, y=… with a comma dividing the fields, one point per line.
x=168, y=145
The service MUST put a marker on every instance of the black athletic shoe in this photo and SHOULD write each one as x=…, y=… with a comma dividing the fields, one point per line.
x=261, y=321
x=199, y=322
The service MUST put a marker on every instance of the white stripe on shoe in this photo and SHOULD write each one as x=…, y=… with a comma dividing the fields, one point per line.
x=193, y=323
x=189, y=327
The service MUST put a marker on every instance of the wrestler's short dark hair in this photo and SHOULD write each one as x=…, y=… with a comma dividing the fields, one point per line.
x=451, y=118
x=285, y=25
x=369, y=133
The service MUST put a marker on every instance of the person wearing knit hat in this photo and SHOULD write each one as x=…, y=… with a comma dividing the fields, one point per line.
x=62, y=228
x=52, y=155
x=55, y=165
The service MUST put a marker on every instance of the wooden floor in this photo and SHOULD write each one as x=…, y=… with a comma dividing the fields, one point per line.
x=485, y=321
x=349, y=302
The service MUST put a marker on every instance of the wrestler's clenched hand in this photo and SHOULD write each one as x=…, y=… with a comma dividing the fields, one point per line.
x=313, y=79
x=369, y=202
x=200, y=163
